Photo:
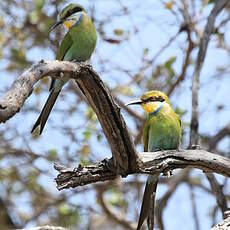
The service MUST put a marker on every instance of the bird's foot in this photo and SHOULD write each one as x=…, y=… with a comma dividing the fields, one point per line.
x=195, y=147
x=168, y=173
x=157, y=150
x=109, y=165
x=87, y=62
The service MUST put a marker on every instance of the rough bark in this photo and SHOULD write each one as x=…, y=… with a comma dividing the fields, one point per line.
x=151, y=163
x=124, y=154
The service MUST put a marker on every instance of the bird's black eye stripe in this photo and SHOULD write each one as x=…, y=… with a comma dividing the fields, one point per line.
x=72, y=11
x=157, y=98
x=161, y=99
x=144, y=100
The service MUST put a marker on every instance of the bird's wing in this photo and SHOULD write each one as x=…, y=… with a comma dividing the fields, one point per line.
x=178, y=118
x=65, y=45
x=146, y=136
x=63, y=49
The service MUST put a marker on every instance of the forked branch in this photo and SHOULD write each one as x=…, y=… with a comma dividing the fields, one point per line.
x=151, y=163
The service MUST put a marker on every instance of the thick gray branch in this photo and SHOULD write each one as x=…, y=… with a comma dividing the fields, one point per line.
x=113, y=125
x=47, y=227
x=171, y=159
x=22, y=87
x=224, y=225
x=124, y=154
x=151, y=163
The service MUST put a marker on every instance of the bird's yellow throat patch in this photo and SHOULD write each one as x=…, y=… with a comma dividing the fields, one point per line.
x=149, y=107
x=68, y=24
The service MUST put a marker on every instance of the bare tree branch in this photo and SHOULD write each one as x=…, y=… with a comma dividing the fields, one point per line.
x=194, y=208
x=5, y=218
x=98, y=96
x=162, y=203
x=21, y=89
x=113, y=125
x=218, y=192
x=47, y=227
x=151, y=163
x=209, y=28
x=194, y=137
x=116, y=217
x=224, y=225
x=125, y=160
x=185, y=64
x=214, y=140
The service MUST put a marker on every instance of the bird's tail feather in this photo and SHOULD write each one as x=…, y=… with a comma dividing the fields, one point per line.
x=148, y=202
x=46, y=111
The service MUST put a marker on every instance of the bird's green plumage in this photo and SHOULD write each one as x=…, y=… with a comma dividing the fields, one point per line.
x=77, y=45
x=83, y=37
x=65, y=45
x=162, y=131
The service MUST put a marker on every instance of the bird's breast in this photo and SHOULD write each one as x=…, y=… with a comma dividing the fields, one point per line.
x=164, y=131
x=84, y=39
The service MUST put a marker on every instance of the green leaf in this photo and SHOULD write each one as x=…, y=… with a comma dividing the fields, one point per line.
x=52, y=154
x=64, y=209
x=39, y=4
x=87, y=134
x=211, y=1
x=170, y=61
x=168, y=65
x=84, y=161
x=90, y=114
x=117, y=199
x=180, y=112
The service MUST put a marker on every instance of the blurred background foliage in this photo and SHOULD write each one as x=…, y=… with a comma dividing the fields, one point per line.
x=142, y=45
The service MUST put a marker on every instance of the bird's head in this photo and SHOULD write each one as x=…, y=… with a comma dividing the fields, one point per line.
x=69, y=15
x=151, y=100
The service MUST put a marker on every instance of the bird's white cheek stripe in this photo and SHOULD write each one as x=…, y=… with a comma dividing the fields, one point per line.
x=73, y=21
x=79, y=19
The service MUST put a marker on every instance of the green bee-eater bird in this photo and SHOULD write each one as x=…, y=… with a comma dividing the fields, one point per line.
x=162, y=131
x=77, y=45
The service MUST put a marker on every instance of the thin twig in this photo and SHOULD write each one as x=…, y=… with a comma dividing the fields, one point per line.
x=185, y=65
x=194, y=208
x=218, y=192
x=209, y=28
x=112, y=215
x=161, y=204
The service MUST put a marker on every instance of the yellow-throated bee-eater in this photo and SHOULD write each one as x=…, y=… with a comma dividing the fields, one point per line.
x=162, y=131
x=77, y=45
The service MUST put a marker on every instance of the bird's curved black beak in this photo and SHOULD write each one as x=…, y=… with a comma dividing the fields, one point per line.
x=55, y=25
x=137, y=102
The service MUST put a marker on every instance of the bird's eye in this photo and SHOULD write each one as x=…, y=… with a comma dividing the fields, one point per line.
x=161, y=99
x=157, y=98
